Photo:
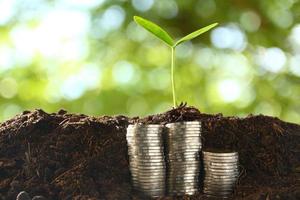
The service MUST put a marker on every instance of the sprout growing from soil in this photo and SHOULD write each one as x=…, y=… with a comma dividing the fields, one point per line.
x=165, y=37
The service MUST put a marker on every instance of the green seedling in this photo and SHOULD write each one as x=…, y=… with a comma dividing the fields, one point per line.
x=165, y=37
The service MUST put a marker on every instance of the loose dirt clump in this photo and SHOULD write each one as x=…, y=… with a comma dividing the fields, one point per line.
x=68, y=156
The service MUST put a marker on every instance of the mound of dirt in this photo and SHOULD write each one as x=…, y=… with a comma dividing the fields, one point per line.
x=69, y=156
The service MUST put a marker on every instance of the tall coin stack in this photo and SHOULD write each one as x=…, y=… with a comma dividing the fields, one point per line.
x=184, y=146
x=146, y=157
x=220, y=173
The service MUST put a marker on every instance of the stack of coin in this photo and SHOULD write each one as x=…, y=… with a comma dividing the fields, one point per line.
x=220, y=173
x=183, y=151
x=147, y=160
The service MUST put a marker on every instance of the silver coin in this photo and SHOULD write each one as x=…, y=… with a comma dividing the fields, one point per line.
x=210, y=157
x=223, y=180
x=217, y=168
x=218, y=181
x=174, y=159
x=145, y=175
x=144, y=154
x=183, y=129
x=226, y=165
x=133, y=150
x=183, y=160
x=146, y=151
x=185, y=165
x=220, y=160
x=147, y=138
x=182, y=189
x=147, y=161
x=153, y=148
x=184, y=169
x=173, y=126
x=146, y=157
x=224, y=161
x=144, y=140
x=181, y=145
x=139, y=164
x=184, y=132
x=149, y=171
x=184, y=183
x=230, y=174
x=191, y=123
x=144, y=130
x=183, y=155
x=220, y=177
x=186, y=135
x=221, y=171
x=173, y=151
x=148, y=183
x=183, y=149
x=149, y=177
x=220, y=153
x=151, y=187
x=144, y=125
x=183, y=192
x=144, y=181
x=145, y=164
x=224, y=171
x=187, y=176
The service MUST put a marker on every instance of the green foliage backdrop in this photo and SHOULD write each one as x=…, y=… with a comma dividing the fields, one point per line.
x=90, y=57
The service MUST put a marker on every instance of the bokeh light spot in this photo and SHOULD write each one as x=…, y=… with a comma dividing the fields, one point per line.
x=272, y=59
x=229, y=37
x=167, y=9
x=142, y=5
x=8, y=88
x=123, y=72
x=11, y=110
x=7, y=10
x=250, y=21
x=229, y=90
x=112, y=18
x=294, y=66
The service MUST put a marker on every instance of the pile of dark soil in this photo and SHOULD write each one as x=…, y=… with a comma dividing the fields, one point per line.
x=66, y=156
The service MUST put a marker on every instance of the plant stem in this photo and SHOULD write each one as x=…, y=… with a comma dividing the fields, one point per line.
x=172, y=76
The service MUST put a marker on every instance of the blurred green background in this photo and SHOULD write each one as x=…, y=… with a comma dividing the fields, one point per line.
x=88, y=56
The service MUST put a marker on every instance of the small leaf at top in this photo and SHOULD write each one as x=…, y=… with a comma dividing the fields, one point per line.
x=154, y=29
x=195, y=34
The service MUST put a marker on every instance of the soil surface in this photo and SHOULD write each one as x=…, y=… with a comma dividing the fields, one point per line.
x=69, y=156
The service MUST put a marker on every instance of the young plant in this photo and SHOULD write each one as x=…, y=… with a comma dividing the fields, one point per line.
x=165, y=37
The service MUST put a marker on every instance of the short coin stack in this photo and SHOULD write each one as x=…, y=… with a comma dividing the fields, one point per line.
x=184, y=146
x=221, y=172
x=147, y=161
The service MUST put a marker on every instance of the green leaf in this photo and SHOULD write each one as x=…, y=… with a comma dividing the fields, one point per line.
x=155, y=30
x=195, y=34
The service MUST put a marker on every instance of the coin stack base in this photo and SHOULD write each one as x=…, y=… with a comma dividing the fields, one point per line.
x=146, y=159
x=184, y=145
x=220, y=173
